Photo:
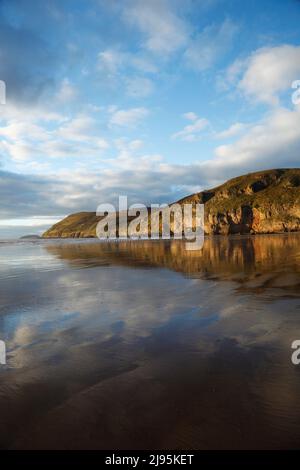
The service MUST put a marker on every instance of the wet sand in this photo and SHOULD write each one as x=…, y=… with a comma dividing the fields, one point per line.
x=144, y=345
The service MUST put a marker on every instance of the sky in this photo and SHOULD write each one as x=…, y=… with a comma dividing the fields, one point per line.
x=151, y=99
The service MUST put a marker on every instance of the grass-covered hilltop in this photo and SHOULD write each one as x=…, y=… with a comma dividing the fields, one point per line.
x=263, y=202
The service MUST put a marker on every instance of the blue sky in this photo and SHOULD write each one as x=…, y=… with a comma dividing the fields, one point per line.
x=153, y=99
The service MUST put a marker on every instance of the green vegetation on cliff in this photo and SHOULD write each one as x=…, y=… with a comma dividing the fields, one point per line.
x=262, y=202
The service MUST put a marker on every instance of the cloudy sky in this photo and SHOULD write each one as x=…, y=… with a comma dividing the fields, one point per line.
x=153, y=99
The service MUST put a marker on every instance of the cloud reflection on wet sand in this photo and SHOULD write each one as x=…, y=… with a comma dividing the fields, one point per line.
x=146, y=345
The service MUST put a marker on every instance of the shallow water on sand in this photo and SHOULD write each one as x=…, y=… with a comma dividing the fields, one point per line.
x=136, y=345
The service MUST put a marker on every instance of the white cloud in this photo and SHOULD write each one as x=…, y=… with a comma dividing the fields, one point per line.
x=25, y=141
x=271, y=143
x=118, y=68
x=128, y=117
x=232, y=131
x=123, y=145
x=24, y=113
x=191, y=132
x=141, y=63
x=77, y=128
x=267, y=72
x=16, y=130
x=113, y=61
x=233, y=72
x=139, y=87
x=163, y=28
x=67, y=92
x=82, y=128
x=190, y=116
x=109, y=61
x=208, y=46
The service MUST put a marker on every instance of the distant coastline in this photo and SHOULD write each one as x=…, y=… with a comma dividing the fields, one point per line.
x=30, y=237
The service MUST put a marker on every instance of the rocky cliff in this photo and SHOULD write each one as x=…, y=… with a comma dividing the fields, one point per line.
x=262, y=202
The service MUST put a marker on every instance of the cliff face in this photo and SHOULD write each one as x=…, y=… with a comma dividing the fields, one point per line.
x=262, y=202
x=79, y=225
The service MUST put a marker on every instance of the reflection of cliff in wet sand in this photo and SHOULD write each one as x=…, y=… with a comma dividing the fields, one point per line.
x=263, y=260
x=263, y=202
